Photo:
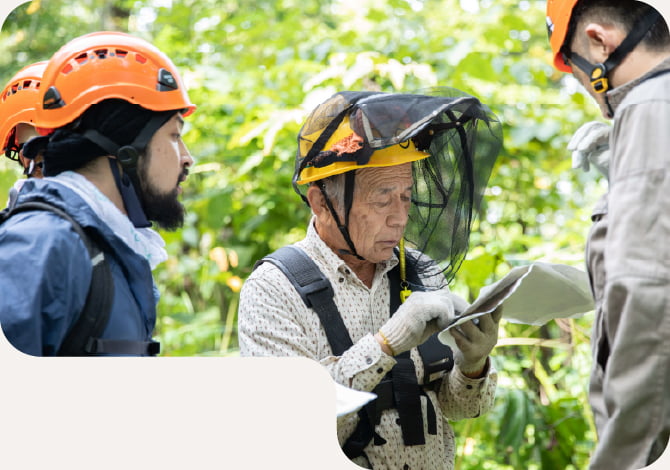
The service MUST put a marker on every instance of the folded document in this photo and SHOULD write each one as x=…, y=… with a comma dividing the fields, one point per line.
x=532, y=294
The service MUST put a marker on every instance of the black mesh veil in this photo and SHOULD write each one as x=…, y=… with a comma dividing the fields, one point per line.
x=460, y=134
x=464, y=142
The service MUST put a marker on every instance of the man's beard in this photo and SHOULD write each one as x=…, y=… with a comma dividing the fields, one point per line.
x=163, y=208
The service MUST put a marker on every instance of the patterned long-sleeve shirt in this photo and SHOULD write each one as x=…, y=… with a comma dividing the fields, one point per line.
x=274, y=321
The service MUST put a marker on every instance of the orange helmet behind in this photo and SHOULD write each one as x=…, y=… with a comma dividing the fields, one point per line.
x=103, y=65
x=19, y=100
x=558, y=19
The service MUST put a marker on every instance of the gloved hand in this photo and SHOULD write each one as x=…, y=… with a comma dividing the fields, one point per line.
x=474, y=340
x=590, y=144
x=422, y=314
x=460, y=304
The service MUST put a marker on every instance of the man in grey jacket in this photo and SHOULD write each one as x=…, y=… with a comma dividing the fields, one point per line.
x=620, y=51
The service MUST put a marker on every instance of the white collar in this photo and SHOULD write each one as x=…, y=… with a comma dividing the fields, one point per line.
x=145, y=242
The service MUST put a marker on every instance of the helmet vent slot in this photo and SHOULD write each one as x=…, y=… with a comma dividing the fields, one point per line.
x=100, y=66
x=81, y=58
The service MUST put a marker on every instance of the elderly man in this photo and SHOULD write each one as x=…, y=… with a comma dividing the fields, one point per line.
x=384, y=170
x=619, y=50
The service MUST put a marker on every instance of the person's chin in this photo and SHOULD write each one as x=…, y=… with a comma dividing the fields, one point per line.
x=382, y=255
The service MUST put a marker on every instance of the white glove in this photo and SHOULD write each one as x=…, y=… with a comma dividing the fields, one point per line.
x=422, y=314
x=474, y=340
x=590, y=144
x=460, y=304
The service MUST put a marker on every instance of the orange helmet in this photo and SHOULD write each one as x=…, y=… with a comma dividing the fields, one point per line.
x=558, y=19
x=19, y=100
x=103, y=65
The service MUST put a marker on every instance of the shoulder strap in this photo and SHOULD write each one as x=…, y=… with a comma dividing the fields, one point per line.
x=95, y=315
x=317, y=293
x=398, y=389
x=84, y=337
x=315, y=290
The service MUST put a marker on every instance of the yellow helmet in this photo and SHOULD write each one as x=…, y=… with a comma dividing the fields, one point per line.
x=340, y=152
x=451, y=140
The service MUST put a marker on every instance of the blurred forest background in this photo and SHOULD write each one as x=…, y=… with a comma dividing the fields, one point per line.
x=255, y=68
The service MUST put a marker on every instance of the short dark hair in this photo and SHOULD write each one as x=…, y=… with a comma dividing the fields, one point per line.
x=620, y=12
x=117, y=119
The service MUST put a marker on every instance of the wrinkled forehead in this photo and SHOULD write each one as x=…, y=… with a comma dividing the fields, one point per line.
x=385, y=179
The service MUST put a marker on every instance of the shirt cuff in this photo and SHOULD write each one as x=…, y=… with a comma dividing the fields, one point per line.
x=463, y=381
x=365, y=364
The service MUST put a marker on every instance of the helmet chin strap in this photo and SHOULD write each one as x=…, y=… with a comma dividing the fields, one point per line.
x=128, y=183
x=348, y=199
x=598, y=73
x=130, y=199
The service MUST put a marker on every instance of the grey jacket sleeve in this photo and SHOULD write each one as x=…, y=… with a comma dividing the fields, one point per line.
x=635, y=352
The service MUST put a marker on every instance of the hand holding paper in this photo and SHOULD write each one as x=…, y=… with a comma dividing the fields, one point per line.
x=422, y=315
x=474, y=342
x=533, y=295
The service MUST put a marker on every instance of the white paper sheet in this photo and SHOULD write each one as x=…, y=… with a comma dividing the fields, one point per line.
x=350, y=400
x=532, y=294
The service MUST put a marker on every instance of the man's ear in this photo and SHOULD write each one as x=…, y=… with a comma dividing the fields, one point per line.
x=603, y=39
x=316, y=201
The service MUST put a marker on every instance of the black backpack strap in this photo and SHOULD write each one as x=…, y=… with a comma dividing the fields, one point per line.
x=315, y=290
x=83, y=338
x=125, y=347
x=398, y=389
x=437, y=358
x=363, y=432
x=317, y=293
x=406, y=389
x=95, y=315
x=407, y=394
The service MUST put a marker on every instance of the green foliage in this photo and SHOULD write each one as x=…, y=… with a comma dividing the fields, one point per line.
x=540, y=420
x=256, y=68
